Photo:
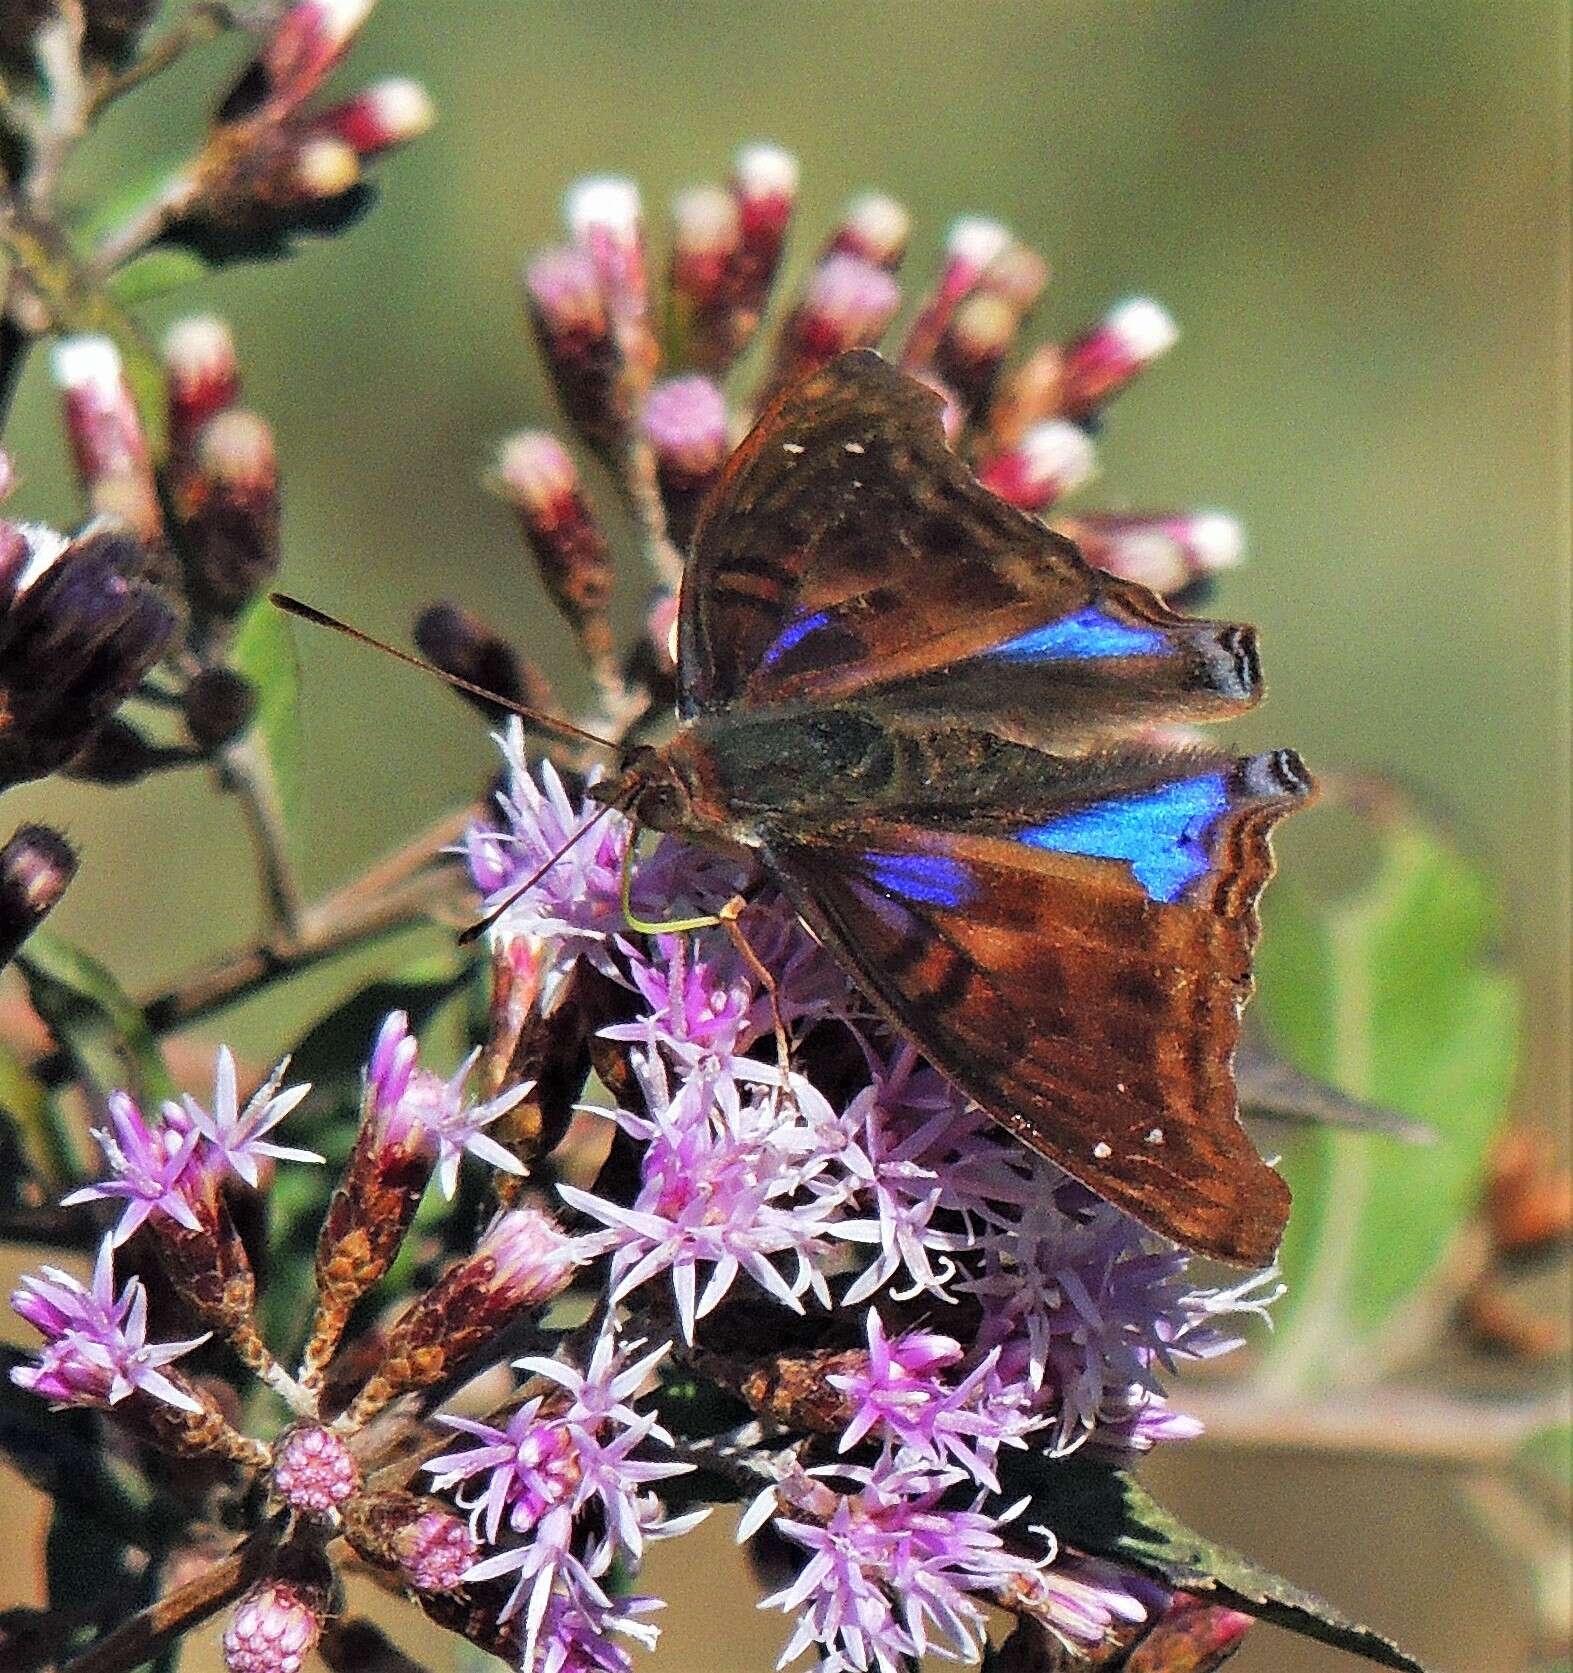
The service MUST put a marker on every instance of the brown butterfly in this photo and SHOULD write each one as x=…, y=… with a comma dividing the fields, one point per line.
x=917, y=706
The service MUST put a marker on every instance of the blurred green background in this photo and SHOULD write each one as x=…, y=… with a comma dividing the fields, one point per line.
x=1360, y=217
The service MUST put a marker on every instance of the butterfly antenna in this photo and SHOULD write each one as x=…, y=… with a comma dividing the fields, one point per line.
x=536, y=718
x=481, y=925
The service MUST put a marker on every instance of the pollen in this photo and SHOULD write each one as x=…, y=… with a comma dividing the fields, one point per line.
x=854, y=447
x=1102, y=1151
x=1155, y=1136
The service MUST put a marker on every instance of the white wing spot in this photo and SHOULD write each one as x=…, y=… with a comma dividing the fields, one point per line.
x=1102, y=1151
x=853, y=446
x=791, y=447
x=1155, y=1136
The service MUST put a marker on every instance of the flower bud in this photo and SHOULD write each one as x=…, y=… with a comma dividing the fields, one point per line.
x=971, y=245
x=426, y=1543
x=274, y=1628
x=1100, y=363
x=459, y=642
x=313, y=1471
x=309, y=40
x=875, y=229
x=574, y=332
x=685, y=422
x=1052, y=460
x=973, y=346
x=1190, y=1637
x=107, y=439
x=1027, y=396
x=536, y=475
x=707, y=231
x=80, y=624
x=764, y=182
x=36, y=867
x=226, y=504
x=379, y=117
x=1164, y=552
x=255, y=185
x=219, y=705
x=846, y=304
x=521, y=1262
x=204, y=377
x=605, y=220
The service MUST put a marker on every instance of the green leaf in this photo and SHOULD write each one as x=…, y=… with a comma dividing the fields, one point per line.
x=1545, y=1463
x=93, y=1018
x=26, y=1105
x=264, y=651
x=1104, y=1511
x=1390, y=995
x=161, y=270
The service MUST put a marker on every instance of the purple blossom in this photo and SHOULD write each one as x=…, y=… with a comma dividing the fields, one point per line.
x=576, y=1630
x=724, y=1179
x=233, y=1136
x=905, y=1398
x=407, y=1099
x=891, y=1570
x=557, y=1456
x=150, y=1167
x=96, y=1350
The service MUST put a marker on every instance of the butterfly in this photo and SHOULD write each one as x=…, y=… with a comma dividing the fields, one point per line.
x=922, y=712
x=918, y=707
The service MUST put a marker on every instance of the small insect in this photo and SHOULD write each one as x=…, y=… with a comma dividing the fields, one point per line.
x=921, y=710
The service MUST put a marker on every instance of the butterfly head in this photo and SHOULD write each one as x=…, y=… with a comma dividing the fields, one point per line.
x=651, y=789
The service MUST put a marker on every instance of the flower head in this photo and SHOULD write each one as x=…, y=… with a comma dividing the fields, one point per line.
x=235, y=1136
x=150, y=1167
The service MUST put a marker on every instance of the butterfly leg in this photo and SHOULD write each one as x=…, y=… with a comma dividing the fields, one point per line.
x=729, y=916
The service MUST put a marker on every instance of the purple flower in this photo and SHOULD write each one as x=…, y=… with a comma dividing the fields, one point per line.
x=576, y=1628
x=233, y=1136
x=558, y=1456
x=891, y=1572
x=407, y=1099
x=904, y=1396
x=95, y=1349
x=724, y=1180
x=149, y=1165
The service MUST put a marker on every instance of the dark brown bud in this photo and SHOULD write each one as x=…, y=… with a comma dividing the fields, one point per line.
x=219, y=705
x=36, y=867
x=120, y=754
x=576, y=334
x=226, y=504
x=462, y=644
x=80, y=624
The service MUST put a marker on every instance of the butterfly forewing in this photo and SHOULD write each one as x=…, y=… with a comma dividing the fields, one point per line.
x=849, y=553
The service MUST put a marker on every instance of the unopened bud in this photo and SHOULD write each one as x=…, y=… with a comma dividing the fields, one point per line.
x=522, y=1261
x=107, y=439
x=226, y=504
x=707, y=231
x=36, y=866
x=971, y=245
x=274, y=1629
x=1029, y=395
x=1018, y=274
x=323, y=167
x=875, y=228
x=313, y=1471
x=310, y=39
x=1164, y=552
x=386, y=114
x=421, y=1539
x=118, y=753
x=80, y=624
x=972, y=347
x=846, y=304
x=219, y=705
x=574, y=332
x=1100, y=363
x=461, y=643
x=1052, y=460
x=685, y=422
x=604, y=217
x=1191, y=1636
x=536, y=475
x=764, y=189
x=204, y=376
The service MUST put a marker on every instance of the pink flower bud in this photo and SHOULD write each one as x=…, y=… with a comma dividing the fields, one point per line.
x=604, y=218
x=204, y=376
x=875, y=228
x=386, y=114
x=972, y=347
x=36, y=867
x=1190, y=1637
x=574, y=332
x=313, y=1471
x=226, y=501
x=846, y=304
x=439, y=1549
x=310, y=39
x=1164, y=552
x=106, y=434
x=685, y=422
x=537, y=477
x=1028, y=395
x=1099, y=364
x=274, y=1629
x=1052, y=459
x=764, y=182
x=972, y=244
x=707, y=229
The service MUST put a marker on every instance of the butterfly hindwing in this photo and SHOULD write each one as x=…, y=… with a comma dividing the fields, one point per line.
x=849, y=554
x=1078, y=968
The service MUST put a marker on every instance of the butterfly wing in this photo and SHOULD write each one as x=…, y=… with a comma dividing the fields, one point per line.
x=1078, y=967
x=848, y=553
